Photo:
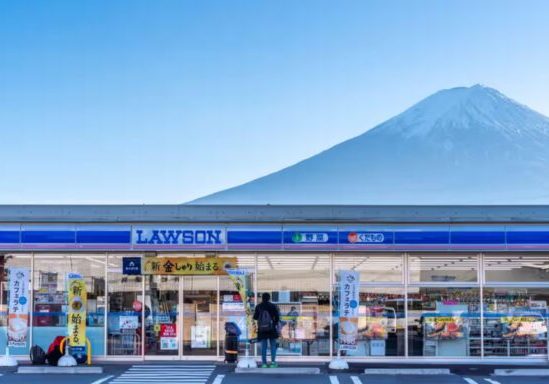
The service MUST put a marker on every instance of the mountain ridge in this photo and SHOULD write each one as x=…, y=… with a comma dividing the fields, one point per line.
x=457, y=146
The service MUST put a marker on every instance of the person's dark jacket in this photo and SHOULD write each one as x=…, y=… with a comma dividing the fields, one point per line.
x=275, y=315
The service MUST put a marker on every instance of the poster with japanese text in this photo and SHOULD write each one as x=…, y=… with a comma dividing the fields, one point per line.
x=76, y=322
x=190, y=266
x=18, y=312
x=349, y=286
x=168, y=337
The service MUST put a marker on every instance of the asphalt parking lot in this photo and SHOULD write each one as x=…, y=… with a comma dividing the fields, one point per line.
x=212, y=373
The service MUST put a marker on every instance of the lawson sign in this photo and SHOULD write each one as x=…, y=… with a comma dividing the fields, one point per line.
x=167, y=237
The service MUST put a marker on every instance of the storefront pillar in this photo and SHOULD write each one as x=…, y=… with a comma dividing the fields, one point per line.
x=405, y=277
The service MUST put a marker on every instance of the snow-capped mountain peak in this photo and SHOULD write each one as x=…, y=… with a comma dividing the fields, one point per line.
x=467, y=145
x=467, y=108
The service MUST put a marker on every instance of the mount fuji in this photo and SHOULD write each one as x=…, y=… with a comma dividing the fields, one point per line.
x=467, y=145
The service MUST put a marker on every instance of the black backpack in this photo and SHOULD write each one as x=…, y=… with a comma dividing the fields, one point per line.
x=265, y=322
x=37, y=355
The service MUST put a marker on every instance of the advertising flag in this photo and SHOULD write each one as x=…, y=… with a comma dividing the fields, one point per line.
x=77, y=312
x=18, y=311
x=349, y=284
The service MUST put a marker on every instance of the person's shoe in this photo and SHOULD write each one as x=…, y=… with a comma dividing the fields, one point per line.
x=264, y=366
x=274, y=365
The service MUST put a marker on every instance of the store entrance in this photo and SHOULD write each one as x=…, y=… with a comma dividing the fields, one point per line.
x=181, y=316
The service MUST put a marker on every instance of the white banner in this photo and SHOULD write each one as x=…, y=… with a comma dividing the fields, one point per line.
x=18, y=311
x=349, y=287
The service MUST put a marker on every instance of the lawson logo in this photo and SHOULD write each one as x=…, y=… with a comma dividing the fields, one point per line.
x=183, y=236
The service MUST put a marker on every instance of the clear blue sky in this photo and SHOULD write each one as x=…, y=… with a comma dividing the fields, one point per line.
x=165, y=101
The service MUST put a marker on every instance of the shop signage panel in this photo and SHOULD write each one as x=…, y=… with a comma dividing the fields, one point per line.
x=9, y=236
x=48, y=236
x=131, y=265
x=103, y=237
x=477, y=237
x=422, y=237
x=178, y=237
x=310, y=237
x=365, y=237
x=18, y=311
x=249, y=236
x=528, y=237
x=191, y=266
x=273, y=237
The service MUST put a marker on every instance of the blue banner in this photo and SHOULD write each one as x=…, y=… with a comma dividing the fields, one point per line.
x=273, y=237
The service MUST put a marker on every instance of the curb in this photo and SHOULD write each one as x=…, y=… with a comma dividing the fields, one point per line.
x=407, y=371
x=59, y=370
x=521, y=372
x=280, y=371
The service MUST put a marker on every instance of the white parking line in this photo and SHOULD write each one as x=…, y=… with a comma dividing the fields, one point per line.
x=218, y=379
x=469, y=380
x=492, y=381
x=356, y=380
x=334, y=380
x=102, y=380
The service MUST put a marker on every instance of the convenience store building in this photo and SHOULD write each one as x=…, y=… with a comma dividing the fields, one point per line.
x=416, y=282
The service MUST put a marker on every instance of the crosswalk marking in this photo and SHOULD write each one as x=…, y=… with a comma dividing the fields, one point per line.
x=469, y=380
x=102, y=380
x=173, y=373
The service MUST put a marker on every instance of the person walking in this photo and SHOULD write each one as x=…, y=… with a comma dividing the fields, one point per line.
x=267, y=316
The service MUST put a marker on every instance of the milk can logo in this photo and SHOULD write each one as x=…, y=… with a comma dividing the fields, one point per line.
x=310, y=237
x=365, y=237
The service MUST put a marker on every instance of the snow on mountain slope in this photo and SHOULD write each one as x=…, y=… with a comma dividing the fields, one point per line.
x=459, y=146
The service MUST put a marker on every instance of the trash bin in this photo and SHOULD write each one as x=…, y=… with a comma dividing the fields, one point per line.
x=232, y=333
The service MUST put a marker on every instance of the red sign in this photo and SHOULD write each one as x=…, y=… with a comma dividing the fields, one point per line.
x=168, y=330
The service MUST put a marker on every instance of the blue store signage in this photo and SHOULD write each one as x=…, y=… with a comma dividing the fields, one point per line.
x=131, y=265
x=144, y=237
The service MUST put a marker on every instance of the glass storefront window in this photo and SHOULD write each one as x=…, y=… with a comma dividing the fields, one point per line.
x=381, y=322
x=299, y=284
x=50, y=297
x=187, y=315
x=233, y=306
x=443, y=322
x=125, y=301
x=515, y=321
x=200, y=326
x=524, y=268
x=162, y=315
x=8, y=261
x=373, y=268
x=451, y=268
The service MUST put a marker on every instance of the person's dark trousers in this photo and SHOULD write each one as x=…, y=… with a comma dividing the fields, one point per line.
x=273, y=344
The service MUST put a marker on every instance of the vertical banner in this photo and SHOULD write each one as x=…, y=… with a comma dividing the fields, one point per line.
x=240, y=279
x=18, y=313
x=77, y=312
x=349, y=286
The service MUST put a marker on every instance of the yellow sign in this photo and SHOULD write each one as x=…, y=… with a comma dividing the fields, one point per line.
x=76, y=323
x=205, y=266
